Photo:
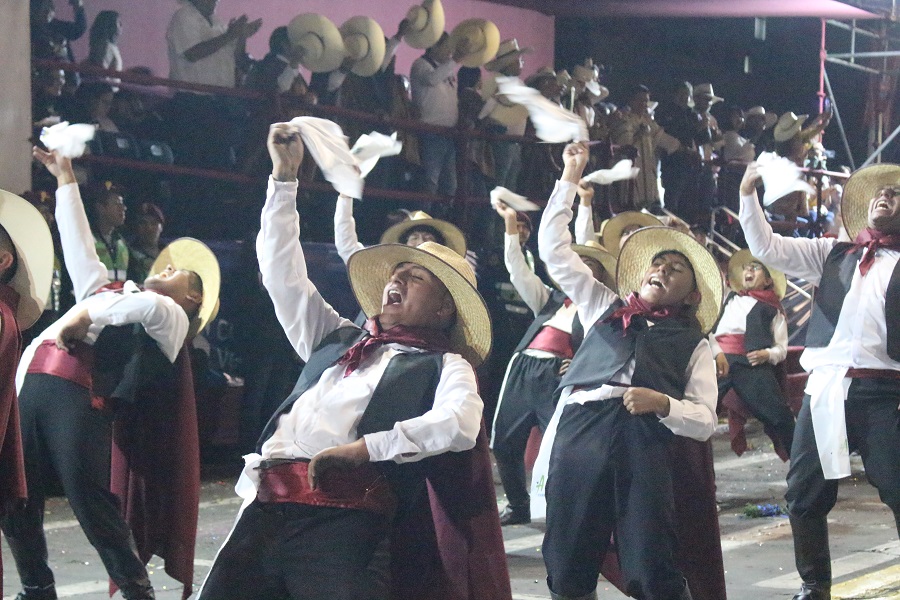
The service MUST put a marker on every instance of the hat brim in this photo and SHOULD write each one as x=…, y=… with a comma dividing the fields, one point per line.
x=507, y=59
x=612, y=230
x=453, y=236
x=484, y=41
x=321, y=41
x=193, y=255
x=860, y=189
x=31, y=237
x=736, y=273
x=365, y=36
x=606, y=260
x=371, y=268
x=643, y=245
x=431, y=16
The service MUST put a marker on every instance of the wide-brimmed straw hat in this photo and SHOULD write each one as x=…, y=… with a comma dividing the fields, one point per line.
x=320, y=42
x=788, y=126
x=612, y=230
x=365, y=45
x=453, y=237
x=31, y=238
x=370, y=270
x=862, y=186
x=483, y=41
x=541, y=74
x=736, y=265
x=193, y=255
x=426, y=24
x=706, y=90
x=592, y=249
x=508, y=53
x=643, y=245
x=759, y=111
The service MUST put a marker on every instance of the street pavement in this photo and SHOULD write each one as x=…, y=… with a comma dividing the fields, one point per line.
x=758, y=552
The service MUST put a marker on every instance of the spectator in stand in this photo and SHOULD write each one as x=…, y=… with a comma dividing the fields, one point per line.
x=480, y=154
x=46, y=106
x=277, y=71
x=635, y=132
x=143, y=242
x=132, y=115
x=540, y=168
x=432, y=79
x=106, y=215
x=758, y=129
x=103, y=39
x=680, y=169
x=94, y=101
x=709, y=142
x=51, y=38
x=737, y=153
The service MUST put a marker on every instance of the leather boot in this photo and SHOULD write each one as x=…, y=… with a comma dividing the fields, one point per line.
x=813, y=557
x=139, y=589
x=591, y=596
x=515, y=515
x=45, y=593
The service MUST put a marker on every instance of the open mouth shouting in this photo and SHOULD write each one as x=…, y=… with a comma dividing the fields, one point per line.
x=394, y=297
x=656, y=282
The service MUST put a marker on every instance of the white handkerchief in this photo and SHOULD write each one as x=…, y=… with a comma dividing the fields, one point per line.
x=780, y=177
x=621, y=170
x=512, y=200
x=369, y=147
x=328, y=146
x=552, y=122
x=827, y=388
x=68, y=140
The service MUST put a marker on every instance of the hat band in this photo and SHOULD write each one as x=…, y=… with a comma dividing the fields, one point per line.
x=313, y=45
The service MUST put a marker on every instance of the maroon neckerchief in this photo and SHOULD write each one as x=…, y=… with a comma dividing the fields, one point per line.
x=636, y=306
x=873, y=240
x=765, y=296
x=425, y=338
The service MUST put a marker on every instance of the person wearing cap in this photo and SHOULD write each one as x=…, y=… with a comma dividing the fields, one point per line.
x=852, y=355
x=642, y=376
x=345, y=457
x=680, y=169
x=93, y=364
x=527, y=397
x=749, y=339
x=793, y=141
x=758, y=129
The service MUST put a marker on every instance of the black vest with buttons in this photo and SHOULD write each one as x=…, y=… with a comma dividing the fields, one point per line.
x=758, y=326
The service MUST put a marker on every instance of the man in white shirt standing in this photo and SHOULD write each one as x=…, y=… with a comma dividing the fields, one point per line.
x=852, y=356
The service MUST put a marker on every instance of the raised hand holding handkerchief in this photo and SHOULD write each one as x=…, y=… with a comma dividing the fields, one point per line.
x=620, y=171
x=68, y=140
x=552, y=122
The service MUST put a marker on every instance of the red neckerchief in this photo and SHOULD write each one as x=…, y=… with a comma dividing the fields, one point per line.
x=765, y=296
x=425, y=338
x=636, y=306
x=873, y=240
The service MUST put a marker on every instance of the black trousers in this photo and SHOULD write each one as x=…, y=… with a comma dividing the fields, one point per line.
x=758, y=388
x=62, y=432
x=873, y=428
x=528, y=399
x=281, y=551
x=609, y=473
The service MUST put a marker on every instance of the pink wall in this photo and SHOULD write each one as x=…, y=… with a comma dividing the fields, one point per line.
x=144, y=23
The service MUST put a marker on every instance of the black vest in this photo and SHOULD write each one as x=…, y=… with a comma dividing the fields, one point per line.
x=758, y=326
x=127, y=360
x=837, y=274
x=662, y=354
x=554, y=303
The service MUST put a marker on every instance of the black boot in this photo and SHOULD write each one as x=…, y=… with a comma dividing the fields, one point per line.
x=512, y=475
x=591, y=596
x=139, y=589
x=813, y=557
x=515, y=515
x=32, y=593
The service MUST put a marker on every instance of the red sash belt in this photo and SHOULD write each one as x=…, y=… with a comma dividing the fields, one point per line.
x=873, y=374
x=731, y=343
x=74, y=366
x=553, y=340
x=364, y=488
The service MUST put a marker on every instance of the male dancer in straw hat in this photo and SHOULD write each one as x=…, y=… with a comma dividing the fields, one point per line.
x=852, y=355
x=749, y=339
x=71, y=376
x=340, y=475
x=26, y=270
x=643, y=373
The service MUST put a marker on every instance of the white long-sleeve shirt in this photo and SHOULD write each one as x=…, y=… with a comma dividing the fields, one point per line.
x=434, y=92
x=163, y=320
x=734, y=321
x=328, y=413
x=693, y=416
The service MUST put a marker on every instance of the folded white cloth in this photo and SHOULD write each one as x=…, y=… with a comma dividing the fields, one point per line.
x=827, y=388
x=68, y=140
x=780, y=176
x=369, y=147
x=621, y=170
x=512, y=200
x=328, y=146
x=552, y=122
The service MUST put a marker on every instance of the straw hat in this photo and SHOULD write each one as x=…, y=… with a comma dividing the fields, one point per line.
x=706, y=90
x=544, y=72
x=193, y=255
x=639, y=250
x=613, y=228
x=508, y=53
x=453, y=237
x=592, y=249
x=371, y=268
x=484, y=41
x=788, y=126
x=426, y=24
x=759, y=111
x=736, y=272
x=319, y=41
x=860, y=189
x=34, y=250
x=364, y=42
x=588, y=74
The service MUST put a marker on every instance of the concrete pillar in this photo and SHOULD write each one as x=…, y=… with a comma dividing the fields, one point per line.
x=15, y=96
